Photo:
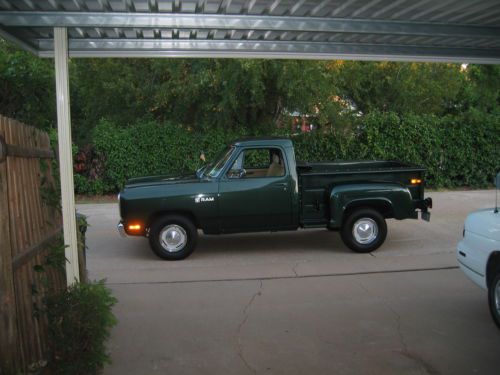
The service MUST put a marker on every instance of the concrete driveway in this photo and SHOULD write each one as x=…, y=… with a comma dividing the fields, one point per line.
x=298, y=302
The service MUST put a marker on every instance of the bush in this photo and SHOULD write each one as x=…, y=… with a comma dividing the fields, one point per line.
x=80, y=320
x=149, y=148
x=456, y=150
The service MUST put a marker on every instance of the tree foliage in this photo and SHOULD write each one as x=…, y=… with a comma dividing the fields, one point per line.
x=228, y=95
x=233, y=93
x=400, y=87
x=26, y=87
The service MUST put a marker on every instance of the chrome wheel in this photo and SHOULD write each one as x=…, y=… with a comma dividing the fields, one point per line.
x=173, y=238
x=497, y=296
x=365, y=231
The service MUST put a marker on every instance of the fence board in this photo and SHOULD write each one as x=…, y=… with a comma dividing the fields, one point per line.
x=28, y=227
x=8, y=324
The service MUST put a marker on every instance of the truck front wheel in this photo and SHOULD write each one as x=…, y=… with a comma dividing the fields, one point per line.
x=364, y=230
x=173, y=237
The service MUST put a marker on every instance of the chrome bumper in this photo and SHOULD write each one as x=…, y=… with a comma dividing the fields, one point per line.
x=121, y=229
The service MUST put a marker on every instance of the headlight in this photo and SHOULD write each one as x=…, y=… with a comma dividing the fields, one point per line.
x=118, y=197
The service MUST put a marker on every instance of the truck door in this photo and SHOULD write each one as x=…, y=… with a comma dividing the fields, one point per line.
x=255, y=193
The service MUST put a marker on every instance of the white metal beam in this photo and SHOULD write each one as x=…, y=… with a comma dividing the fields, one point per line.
x=239, y=22
x=278, y=56
x=65, y=154
x=270, y=49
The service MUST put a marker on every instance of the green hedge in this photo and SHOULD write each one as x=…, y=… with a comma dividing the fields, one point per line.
x=148, y=148
x=456, y=150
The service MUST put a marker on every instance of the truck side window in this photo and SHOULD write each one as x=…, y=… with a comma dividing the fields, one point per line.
x=258, y=162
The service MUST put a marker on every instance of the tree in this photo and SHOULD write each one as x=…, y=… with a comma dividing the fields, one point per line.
x=236, y=93
x=27, y=88
x=425, y=88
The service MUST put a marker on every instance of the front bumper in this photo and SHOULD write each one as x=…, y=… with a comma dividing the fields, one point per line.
x=124, y=228
x=121, y=229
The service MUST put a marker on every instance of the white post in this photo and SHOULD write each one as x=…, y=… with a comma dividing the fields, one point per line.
x=65, y=154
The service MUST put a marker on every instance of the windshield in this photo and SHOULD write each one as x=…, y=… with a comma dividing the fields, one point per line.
x=214, y=167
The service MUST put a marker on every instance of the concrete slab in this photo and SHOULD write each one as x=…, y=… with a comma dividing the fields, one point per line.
x=427, y=322
x=299, y=302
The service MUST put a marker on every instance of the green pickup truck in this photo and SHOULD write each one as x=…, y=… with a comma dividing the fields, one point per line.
x=256, y=185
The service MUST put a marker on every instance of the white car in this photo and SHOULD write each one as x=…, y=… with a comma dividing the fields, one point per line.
x=478, y=254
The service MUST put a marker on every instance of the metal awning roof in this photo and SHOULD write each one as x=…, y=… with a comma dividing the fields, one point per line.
x=406, y=30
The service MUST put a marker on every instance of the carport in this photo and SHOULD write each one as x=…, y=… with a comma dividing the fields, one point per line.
x=460, y=31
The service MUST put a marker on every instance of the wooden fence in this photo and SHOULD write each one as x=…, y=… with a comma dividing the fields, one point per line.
x=29, y=227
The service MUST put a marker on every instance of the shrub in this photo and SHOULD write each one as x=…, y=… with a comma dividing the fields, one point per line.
x=149, y=148
x=456, y=150
x=80, y=320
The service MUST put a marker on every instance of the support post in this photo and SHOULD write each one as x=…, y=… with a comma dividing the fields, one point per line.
x=65, y=154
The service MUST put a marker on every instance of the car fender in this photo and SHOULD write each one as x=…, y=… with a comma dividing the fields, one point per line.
x=392, y=200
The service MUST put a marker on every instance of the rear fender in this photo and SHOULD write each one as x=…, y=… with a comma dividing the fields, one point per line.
x=391, y=200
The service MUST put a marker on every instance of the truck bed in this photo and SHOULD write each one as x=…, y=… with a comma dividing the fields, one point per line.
x=353, y=166
x=316, y=181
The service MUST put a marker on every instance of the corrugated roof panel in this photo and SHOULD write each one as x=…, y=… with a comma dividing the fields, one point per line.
x=141, y=5
x=165, y=6
x=211, y=6
x=345, y=9
x=448, y=30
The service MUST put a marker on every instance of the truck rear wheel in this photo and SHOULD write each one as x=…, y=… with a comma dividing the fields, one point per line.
x=173, y=237
x=364, y=230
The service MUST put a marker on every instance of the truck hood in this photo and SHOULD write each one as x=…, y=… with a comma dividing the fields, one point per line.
x=161, y=180
x=485, y=223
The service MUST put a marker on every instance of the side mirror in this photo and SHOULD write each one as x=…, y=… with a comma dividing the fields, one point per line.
x=236, y=173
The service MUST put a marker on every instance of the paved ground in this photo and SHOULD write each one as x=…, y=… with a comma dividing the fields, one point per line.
x=299, y=302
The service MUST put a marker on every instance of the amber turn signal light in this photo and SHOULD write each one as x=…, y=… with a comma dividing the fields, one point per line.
x=134, y=227
x=415, y=181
